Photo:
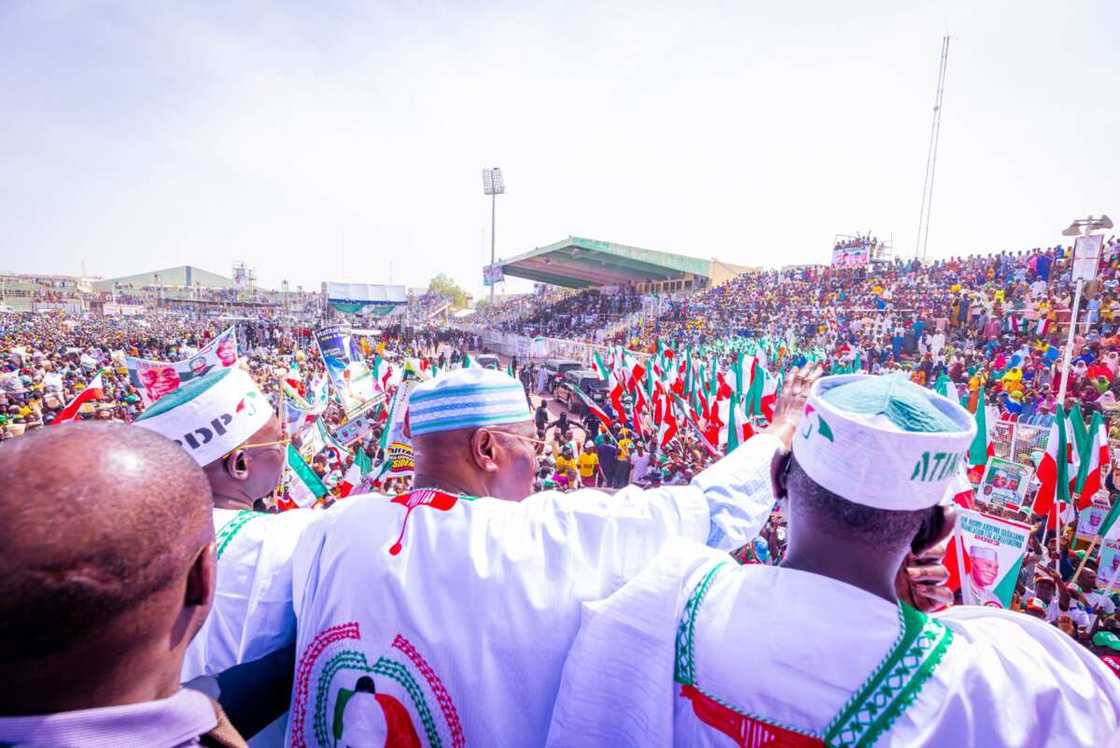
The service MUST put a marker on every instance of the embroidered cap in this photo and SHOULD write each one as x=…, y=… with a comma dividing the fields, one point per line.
x=211, y=415
x=466, y=398
x=883, y=442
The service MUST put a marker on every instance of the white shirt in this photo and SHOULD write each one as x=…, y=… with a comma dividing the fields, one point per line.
x=652, y=664
x=462, y=610
x=641, y=466
x=252, y=614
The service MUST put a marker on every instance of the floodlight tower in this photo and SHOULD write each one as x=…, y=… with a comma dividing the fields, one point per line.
x=493, y=186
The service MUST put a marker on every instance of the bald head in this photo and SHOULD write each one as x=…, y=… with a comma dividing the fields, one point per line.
x=102, y=524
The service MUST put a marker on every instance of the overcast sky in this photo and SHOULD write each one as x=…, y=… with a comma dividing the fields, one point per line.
x=344, y=140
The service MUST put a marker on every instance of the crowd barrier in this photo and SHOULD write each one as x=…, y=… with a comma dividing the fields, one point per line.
x=541, y=348
x=1019, y=442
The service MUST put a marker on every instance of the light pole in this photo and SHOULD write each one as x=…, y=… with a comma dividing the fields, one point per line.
x=1088, y=246
x=493, y=186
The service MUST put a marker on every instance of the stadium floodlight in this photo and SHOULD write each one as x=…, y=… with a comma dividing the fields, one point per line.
x=492, y=185
x=1088, y=225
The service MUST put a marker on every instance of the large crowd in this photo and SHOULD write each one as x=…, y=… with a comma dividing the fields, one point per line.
x=992, y=326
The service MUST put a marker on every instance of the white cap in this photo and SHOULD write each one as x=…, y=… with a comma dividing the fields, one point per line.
x=211, y=415
x=883, y=442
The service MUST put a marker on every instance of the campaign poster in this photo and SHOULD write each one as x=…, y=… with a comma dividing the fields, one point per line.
x=399, y=456
x=1108, y=568
x=1091, y=517
x=853, y=256
x=1004, y=483
x=359, y=426
x=349, y=375
x=154, y=379
x=992, y=550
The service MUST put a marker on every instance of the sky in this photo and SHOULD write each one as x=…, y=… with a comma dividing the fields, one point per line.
x=345, y=140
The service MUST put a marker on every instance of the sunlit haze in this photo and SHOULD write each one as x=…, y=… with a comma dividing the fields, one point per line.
x=344, y=141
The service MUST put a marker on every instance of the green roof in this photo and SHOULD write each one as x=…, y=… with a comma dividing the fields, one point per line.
x=576, y=262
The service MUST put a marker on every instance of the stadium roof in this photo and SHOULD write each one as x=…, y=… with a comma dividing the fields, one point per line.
x=584, y=263
x=183, y=275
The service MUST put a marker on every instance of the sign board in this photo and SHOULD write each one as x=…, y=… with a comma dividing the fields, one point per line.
x=492, y=274
x=851, y=255
x=1087, y=256
x=1004, y=483
x=991, y=549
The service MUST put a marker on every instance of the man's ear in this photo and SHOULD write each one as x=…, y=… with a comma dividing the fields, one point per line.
x=935, y=529
x=779, y=473
x=201, y=577
x=483, y=448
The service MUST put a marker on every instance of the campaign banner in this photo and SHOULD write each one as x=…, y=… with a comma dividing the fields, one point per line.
x=991, y=551
x=1004, y=483
x=1108, y=568
x=859, y=254
x=349, y=375
x=359, y=426
x=399, y=457
x=1092, y=517
x=154, y=379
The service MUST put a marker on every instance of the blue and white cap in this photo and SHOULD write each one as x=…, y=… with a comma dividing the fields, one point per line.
x=466, y=398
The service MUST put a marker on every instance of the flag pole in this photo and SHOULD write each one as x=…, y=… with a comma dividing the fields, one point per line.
x=965, y=596
x=1085, y=559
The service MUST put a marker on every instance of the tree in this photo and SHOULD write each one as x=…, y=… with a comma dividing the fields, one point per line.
x=444, y=286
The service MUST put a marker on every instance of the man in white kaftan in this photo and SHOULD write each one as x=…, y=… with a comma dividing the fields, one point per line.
x=463, y=612
x=696, y=651
x=226, y=424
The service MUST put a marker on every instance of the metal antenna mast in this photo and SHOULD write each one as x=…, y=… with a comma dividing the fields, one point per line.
x=922, y=241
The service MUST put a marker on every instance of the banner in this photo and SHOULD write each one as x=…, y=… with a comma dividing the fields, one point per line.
x=1108, y=569
x=399, y=457
x=349, y=375
x=492, y=274
x=1004, y=483
x=154, y=379
x=359, y=426
x=852, y=256
x=1092, y=517
x=992, y=550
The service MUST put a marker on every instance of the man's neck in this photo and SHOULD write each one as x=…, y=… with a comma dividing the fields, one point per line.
x=850, y=563
x=51, y=686
x=235, y=503
x=463, y=485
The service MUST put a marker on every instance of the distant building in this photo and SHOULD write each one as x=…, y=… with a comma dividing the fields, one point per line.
x=183, y=276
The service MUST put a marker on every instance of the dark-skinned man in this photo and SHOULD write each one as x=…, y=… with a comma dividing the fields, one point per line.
x=820, y=651
x=461, y=616
x=227, y=426
x=106, y=575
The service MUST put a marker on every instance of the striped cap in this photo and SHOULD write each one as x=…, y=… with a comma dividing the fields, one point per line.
x=466, y=398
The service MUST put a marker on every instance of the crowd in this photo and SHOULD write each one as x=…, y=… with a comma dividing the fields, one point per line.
x=400, y=633
x=577, y=315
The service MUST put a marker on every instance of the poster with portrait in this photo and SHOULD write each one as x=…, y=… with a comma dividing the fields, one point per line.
x=1108, y=568
x=991, y=552
x=1091, y=518
x=154, y=379
x=1004, y=483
